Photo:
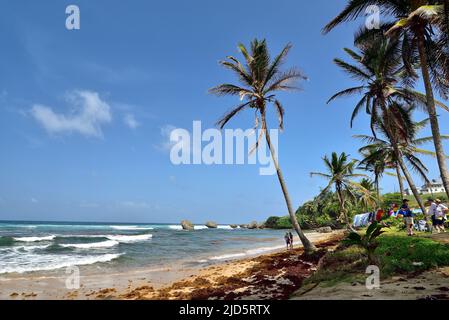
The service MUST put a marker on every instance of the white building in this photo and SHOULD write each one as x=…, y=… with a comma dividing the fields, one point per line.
x=435, y=186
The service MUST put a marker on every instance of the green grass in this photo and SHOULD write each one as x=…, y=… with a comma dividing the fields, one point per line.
x=397, y=254
x=346, y=265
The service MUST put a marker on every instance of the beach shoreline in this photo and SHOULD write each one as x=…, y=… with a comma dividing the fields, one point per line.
x=167, y=282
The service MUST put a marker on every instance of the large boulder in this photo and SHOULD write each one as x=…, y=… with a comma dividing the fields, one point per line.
x=243, y=226
x=253, y=225
x=211, y=225
x=324, y=230
x=187, y=225
x=234, y=226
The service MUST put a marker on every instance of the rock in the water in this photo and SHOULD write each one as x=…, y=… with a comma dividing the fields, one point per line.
x=234, y=226
x=244, y=226
x=253, y=225
x=324, y=230
x=211, y=225
x=187, y=225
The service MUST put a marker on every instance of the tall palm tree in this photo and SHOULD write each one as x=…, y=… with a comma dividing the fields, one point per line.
x=378, y=164
x=415, y=26
x=340, y=174
x=369, y=198
x=378, y=66
x=409, y=144
x=260, y=78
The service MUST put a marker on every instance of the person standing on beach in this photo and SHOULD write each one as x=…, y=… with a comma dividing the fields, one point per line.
x=430, y=215
x=405, y=204
x=408, y=219
x=287, y=240
x=290, y=235
x=440, y=216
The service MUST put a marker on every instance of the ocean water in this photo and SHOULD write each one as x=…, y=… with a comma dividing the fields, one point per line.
x=48, y=246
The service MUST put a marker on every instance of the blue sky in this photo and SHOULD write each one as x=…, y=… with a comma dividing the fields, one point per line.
x=83, y=113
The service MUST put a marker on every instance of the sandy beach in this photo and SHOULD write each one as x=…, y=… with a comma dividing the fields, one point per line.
x=275, y=275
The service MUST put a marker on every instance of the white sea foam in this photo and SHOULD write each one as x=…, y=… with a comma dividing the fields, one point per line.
x=200, y=227
x=103, y=244
x=263, y=249
x=202, y=261
x=130, y=228
x=35, y=239
x=175, y=227
x=228, y=227
x=251, y=252
x=32, y=248
x=228, y=256
x=130, y=239
x=51, y=262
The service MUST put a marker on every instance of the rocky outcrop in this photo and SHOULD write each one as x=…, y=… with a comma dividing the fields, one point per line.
x=234, y=226
x=211, y=225
x=324, y=230
x=253, y=225
x=187, y=225
x=244, y=226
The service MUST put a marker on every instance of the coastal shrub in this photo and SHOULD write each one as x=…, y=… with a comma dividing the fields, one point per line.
x=401, y=254
x=284, y=223
x=390, y=198
x=272, y=222
x=368, y=241
x=346, y=264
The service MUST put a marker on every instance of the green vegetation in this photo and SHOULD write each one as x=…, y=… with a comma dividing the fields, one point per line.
x=418, y=30
x=396, y=254
x=400, y=254
x=368, y=241
x=340, y=172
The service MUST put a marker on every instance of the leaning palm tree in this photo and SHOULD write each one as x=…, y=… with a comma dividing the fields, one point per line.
x=377, y=167
x=384, y=79
x=379, y=149
x=370, y=197
x=260, y=78
x=378, y=163
x=415, y=24
x=340, y=174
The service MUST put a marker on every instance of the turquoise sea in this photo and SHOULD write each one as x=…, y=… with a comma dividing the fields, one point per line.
x=46, y=246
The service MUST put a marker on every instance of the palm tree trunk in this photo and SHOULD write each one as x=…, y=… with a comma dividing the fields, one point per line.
x=401, y=184
x=341, y=200
x=377, y=188
x=411, y=184
x=446, y=16
x=399, y=159
x=431, y=109
x=308, y=246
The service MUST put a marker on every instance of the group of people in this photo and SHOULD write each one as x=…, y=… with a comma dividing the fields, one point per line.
x=437, y=214
x=435, y=217
x=289, y=240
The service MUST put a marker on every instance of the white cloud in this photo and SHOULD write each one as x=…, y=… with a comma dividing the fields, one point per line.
x=131, y=121
x=136, y=205
x=88, y=115
x=89, y=205
x=166, y=144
